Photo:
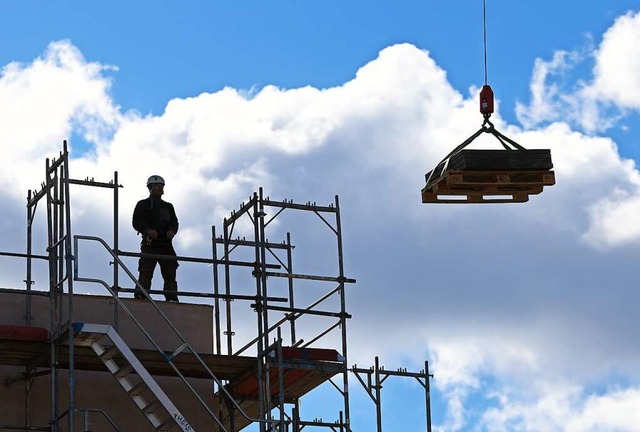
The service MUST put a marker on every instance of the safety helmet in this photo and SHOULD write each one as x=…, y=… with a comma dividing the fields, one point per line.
x=154, y=179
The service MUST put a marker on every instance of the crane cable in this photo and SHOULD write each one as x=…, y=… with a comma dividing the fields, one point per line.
x=484, y=28
x=486, y=94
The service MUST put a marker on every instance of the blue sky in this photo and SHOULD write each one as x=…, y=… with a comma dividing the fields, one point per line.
x=361, y=99
x=165, y=50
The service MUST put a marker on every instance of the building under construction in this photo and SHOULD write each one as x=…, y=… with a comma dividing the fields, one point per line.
x=107, y=362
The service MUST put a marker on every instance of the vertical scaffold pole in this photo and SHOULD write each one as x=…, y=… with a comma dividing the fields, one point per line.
x=116, y=247
x=378, y=389
x=57, y=230
x=264, y=306
x=68, y=261
x=258, y=270
x=296, y=416
x=216, y=290
x=427, y=389
x=216, y=314
x=53, y=307
x=280, y=381
x=28, y=282
x=27, y=316
x=291, y=301
x=343, y=319
x=227, y=286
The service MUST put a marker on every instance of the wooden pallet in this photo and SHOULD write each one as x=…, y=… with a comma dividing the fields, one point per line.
x=461, y=187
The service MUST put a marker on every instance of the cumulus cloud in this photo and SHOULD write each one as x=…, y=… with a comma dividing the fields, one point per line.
x=501, y=291
x=549, y=100
x=613, y=220
x=566, y=408
x=617, y=69
x=511, y=375
x=593, y=103
x=46, y=100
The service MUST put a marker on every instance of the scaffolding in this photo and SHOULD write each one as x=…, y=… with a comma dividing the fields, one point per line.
x=264, y=388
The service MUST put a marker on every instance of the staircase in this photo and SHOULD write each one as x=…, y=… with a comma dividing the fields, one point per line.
x=136, y=381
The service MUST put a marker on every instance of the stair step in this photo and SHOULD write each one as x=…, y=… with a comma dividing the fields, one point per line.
x=168, y=425
x=152, y=407
x=109, y=353
x=87, y=339
x=138, y=389
x=124, y=371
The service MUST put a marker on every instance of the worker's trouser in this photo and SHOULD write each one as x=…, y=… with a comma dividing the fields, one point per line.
x=146, y=267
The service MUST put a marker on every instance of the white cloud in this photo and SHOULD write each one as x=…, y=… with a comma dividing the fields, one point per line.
x=614, y=220
x=513, y=380
x=594, y=103
x=617, y=69
x=547, y=102
x=566, y=408
x=44, y=102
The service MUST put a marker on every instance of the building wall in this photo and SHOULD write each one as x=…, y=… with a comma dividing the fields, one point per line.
x=100, y=390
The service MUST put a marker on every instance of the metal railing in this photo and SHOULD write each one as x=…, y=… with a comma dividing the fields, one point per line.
x=185, y=343
x=85, y=423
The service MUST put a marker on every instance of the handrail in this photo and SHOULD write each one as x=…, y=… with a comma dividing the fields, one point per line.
x=166, y=319
x=193, y=259
x=24, y=255
x=86, y=418
x=157, y=347
x=208, y=295
x=86, y=411
x=23, y=291
x=24, y=428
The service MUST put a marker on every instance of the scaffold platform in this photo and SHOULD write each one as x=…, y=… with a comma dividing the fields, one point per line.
x=30, y=347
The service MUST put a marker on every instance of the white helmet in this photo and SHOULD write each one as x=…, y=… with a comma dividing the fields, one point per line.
x=154, y=179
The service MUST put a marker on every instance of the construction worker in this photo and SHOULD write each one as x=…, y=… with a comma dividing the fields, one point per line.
x=156, y=221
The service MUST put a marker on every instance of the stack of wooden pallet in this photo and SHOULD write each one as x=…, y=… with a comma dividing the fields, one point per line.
x=489, y=176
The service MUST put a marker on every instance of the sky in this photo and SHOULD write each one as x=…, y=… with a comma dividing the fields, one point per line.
x=527, y=313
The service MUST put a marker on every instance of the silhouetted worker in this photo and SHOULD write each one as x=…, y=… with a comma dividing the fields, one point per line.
x=156, y=221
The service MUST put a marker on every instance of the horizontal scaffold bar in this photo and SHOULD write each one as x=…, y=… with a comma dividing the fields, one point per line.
x=251, y=243
x=238, y=214
x=311, y=277
x=319, y=423
x=88, y=182
x=208, y=295
x=308, y=207
x=24, y=291
x=195, y=259
x=21, y=255
x=307, y=311
x=36, y=197
x=56, y=163
x=402, y=373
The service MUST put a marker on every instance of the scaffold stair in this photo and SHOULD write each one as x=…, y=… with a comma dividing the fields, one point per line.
x=134, y=378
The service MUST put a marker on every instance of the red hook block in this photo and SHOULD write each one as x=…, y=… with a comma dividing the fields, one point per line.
x=486, y=101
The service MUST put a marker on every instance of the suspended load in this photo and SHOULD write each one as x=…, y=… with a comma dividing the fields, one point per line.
x=489, y=176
